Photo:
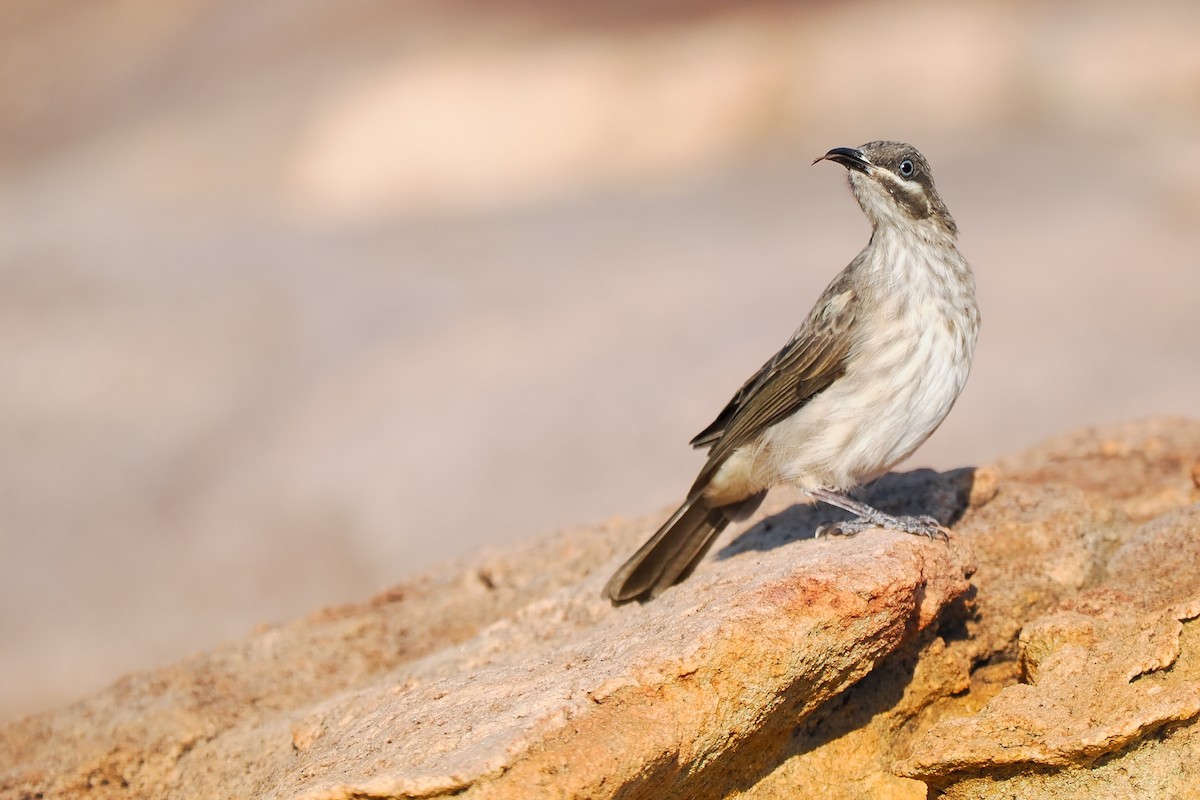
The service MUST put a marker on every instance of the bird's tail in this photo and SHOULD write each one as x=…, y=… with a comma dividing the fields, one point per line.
x=674, y=551
x=670, y=554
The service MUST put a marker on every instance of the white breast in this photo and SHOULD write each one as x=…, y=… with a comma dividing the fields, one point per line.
x=904, y=374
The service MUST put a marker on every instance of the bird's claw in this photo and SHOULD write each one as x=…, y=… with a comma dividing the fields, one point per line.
x=923, y=526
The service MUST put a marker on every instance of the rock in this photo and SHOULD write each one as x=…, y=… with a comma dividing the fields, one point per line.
x=1106, y=696
x=1143, y=467
x=1047, y=649
x=558, y=689
x=1104, y=675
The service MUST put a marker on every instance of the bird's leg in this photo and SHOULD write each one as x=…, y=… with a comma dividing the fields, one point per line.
x=869, y=517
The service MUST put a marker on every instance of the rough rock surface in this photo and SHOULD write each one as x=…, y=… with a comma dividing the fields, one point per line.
x=1110, y=693
x=1050, y=649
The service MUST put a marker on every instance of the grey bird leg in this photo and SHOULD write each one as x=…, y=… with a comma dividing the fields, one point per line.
x=869, y=517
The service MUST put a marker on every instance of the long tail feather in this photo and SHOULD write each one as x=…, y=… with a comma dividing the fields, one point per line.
x=670, y=554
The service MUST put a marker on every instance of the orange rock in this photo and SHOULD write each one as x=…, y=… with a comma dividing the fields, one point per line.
x=782, y=662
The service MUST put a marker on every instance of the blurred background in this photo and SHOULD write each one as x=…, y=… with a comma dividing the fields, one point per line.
x=298, y=298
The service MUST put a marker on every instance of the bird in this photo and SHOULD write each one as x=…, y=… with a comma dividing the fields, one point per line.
x=867, y=377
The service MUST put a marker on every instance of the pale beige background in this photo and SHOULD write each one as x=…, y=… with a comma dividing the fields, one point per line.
x=298, y=298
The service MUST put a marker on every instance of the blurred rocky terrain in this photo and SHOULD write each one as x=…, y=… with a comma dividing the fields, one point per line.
x=299, y=299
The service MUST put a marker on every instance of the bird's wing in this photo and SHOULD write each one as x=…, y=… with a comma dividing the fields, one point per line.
x=812, y=359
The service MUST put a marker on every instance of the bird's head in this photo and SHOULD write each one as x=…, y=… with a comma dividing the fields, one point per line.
x=893, y=184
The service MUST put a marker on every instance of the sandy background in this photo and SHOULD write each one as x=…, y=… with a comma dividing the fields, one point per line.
x=298, y=298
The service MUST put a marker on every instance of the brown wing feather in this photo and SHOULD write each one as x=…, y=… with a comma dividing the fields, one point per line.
x=812, y=359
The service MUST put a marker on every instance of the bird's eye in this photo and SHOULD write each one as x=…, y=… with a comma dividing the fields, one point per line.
x=907, y=168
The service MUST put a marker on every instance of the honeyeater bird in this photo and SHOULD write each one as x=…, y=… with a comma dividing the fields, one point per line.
x=866, y=378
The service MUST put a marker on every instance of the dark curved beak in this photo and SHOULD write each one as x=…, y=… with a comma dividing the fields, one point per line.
x=848, y=157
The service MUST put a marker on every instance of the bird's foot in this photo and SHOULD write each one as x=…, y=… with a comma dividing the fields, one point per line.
x=917, y=526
